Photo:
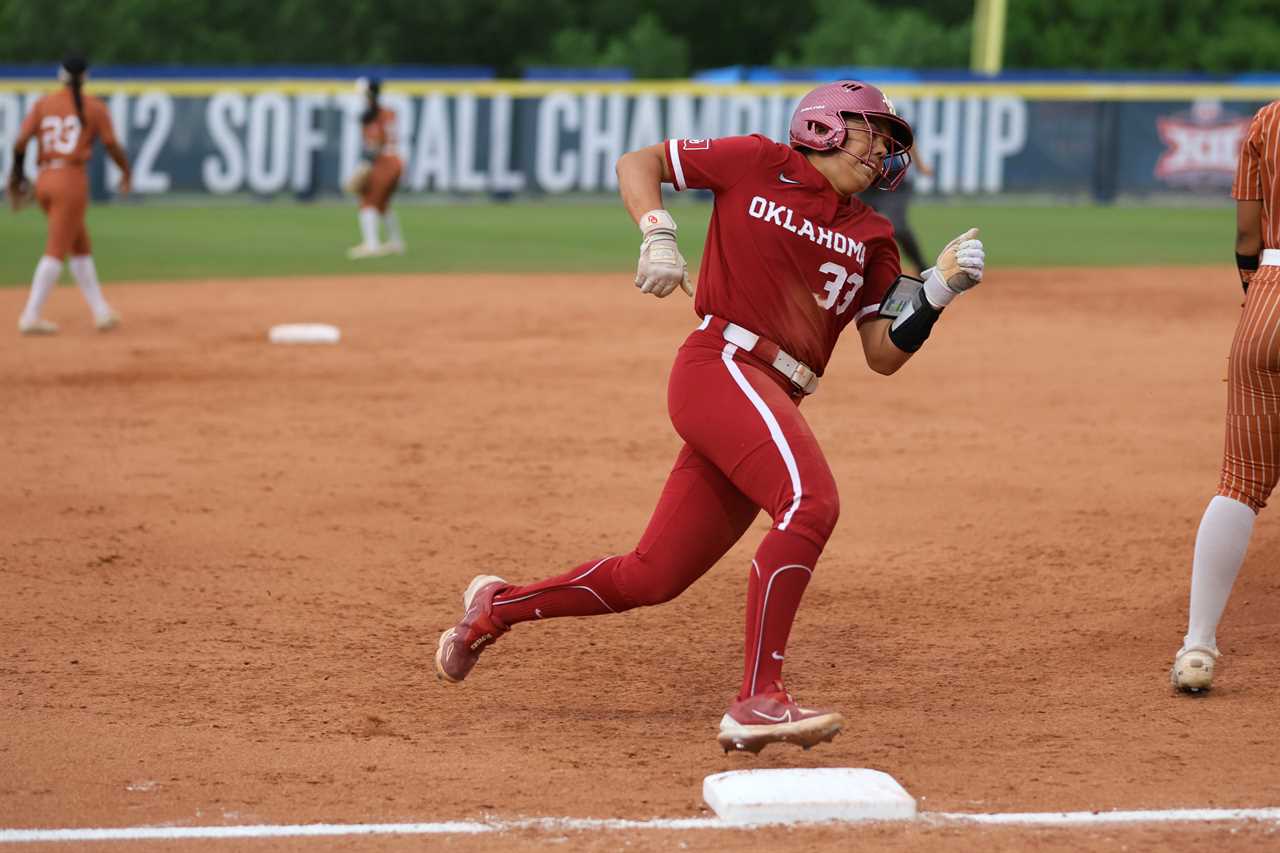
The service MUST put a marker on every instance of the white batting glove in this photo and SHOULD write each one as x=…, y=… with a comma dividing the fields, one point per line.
x=662, y=268
x=959, y=268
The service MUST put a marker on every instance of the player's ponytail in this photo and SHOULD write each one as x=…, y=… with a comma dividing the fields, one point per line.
x=72, y=73
x=370, y=87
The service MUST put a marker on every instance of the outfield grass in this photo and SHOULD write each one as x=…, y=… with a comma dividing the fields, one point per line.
x=135, y=242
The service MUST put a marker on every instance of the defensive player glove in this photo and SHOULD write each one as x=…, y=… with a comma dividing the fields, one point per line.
x=662, y=268
x=19, y=192
x=959, y=268
x=359, y=180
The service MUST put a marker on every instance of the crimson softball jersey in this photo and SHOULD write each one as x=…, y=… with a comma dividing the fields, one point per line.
x=785, y=256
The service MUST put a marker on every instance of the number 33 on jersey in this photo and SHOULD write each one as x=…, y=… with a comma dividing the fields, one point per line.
x=786, y=255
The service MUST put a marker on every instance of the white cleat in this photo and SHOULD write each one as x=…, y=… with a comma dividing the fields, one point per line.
x=1193, y=669
x=364, y=250
x=107, y=321
x=393, y=247
x=37, y=327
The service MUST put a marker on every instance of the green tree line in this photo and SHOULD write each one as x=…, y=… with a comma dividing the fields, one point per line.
x=655, y=38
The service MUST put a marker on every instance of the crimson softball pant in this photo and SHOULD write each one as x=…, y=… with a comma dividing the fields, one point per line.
x=63, y=193
x=747, y=448
x=1251, y=458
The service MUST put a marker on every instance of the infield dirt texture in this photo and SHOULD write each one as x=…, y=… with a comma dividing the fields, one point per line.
x=225, y=565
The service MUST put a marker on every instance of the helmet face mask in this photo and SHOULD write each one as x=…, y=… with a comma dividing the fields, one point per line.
x=891, y=167
x=819, y=124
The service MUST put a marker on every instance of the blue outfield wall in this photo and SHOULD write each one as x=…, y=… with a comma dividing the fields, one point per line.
x=300, y=135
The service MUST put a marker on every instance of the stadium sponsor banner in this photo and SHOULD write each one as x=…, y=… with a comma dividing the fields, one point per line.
x=307, y=142
x=1198, y=145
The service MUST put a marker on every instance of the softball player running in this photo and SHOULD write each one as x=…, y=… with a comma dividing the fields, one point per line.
x=377, y=176
x=66, y=123
x=1251, y=459
x=792, y=258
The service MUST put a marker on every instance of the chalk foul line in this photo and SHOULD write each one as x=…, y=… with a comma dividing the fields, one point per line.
x=171, y=833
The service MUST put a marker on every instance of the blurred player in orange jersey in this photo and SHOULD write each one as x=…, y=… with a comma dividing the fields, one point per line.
x=65, y=123
x=377, y=176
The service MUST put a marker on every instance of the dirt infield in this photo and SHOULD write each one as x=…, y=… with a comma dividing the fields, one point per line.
x=225, y=564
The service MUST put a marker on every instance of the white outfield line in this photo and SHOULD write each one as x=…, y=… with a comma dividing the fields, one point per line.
x=172, y=833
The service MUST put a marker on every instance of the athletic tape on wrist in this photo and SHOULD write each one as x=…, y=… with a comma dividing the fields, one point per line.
x=935, y=287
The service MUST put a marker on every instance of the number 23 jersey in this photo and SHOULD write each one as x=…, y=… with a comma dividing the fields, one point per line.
x=786, y=256
x=64, y=138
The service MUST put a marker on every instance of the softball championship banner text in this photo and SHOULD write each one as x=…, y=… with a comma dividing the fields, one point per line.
x=267, y=142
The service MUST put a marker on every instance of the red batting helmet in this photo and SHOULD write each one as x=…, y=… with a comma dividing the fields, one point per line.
x=818, y=123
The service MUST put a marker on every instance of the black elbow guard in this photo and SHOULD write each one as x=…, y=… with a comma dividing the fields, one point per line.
x=912, y=314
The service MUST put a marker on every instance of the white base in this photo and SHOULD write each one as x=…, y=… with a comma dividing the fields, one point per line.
x=304, y=333
x=806, y=794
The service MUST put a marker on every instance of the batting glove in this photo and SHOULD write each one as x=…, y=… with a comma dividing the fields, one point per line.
x=959, y=268
x=662, y=268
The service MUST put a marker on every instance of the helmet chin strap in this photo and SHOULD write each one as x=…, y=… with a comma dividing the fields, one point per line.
x=881, y=171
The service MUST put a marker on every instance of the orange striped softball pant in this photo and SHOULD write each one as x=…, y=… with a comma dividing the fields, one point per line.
x=1251, y=459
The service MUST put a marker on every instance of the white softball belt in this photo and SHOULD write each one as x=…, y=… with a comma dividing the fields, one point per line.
x=1271, y=257
x=799, y=374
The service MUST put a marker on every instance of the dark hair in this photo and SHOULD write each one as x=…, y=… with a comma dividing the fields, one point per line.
x=373, y=87
x=75, y=66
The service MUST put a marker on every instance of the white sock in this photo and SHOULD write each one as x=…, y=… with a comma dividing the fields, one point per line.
x=1220, y=547
x=392, y=224
x=369, y=225
x=42, y=282
x=86, y=275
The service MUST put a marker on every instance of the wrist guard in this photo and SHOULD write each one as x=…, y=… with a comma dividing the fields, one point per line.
x=912, y=314
x=1247, y=266
x=657, y=220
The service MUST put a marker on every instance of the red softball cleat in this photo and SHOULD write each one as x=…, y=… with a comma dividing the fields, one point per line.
x=753, y=723
x=461, y=645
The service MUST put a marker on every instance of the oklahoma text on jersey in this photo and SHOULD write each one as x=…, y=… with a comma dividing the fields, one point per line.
x=771, y=211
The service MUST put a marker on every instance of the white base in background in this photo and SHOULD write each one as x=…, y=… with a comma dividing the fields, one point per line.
x=806, y=794
x=304, y=333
